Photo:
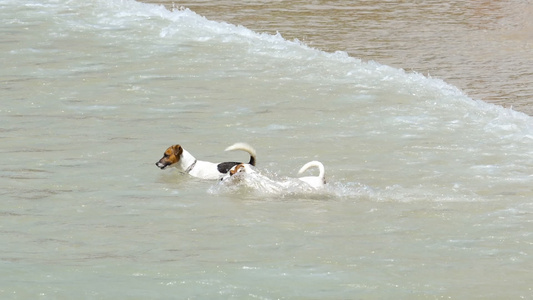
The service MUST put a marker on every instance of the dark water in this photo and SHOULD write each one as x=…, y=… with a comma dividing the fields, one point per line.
x=485, y=48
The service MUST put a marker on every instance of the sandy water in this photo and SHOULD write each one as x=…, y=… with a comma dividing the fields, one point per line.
x=429, y=192
x=485, y=48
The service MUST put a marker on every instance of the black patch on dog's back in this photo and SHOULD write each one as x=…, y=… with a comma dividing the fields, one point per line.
x=226, y=166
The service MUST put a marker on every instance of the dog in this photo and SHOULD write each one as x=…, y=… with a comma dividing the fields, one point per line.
x=238, y=169
x=176, y=156
x=314, y=181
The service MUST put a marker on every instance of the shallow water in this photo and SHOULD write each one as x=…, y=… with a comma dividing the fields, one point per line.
x=485, y=48
x=429, y=191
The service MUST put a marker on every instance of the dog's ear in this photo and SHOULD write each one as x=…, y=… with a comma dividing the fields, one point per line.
x=177, y=150
x=235, y=169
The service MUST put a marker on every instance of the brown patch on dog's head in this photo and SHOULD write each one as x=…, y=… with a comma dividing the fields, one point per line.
x=238, y=168
x=171, y=156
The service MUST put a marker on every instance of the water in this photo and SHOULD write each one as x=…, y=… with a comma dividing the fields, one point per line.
x=483, y=47
x=429, y=191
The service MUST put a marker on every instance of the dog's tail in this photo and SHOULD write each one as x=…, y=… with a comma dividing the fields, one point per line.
x=314, y=163
x=244, y=147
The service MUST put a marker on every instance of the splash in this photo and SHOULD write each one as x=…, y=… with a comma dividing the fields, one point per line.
x=259, y=185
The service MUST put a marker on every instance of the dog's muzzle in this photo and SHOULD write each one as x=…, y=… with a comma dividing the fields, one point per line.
x=161, y=165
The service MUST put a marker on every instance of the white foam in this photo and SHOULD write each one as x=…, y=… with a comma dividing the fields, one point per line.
x=265, y=186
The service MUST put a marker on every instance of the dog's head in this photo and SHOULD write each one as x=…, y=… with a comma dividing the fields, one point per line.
x=238, y=169
x=171, y=156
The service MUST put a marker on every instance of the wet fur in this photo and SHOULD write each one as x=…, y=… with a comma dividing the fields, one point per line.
x=313, y=181
x=176, y=156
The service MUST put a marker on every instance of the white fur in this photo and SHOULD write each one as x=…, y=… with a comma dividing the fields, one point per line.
x=246, y=174
x=204, y=169
x=243, y=147
x=314, y=181
x=242, y=169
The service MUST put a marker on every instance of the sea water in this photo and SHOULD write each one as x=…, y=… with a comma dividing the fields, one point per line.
x=429, y=192
x=483, y=47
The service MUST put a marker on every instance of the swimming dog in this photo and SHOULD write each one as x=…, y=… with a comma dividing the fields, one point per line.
x=176, y=156
x=240, y=168
x=314, y=181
